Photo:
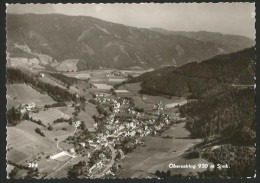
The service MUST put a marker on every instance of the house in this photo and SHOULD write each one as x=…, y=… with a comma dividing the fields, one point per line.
x=83, y=144
x=77, y=123
x=122, y=155
x=132, y=133
x=29, y=107
x=94, y=166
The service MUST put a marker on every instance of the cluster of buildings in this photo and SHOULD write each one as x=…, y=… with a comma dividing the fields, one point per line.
x=120, y=125
x=114, y=73
x=27, y=108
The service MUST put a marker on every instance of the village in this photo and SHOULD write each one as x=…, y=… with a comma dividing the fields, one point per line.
x=118, y=129
x=117, y=133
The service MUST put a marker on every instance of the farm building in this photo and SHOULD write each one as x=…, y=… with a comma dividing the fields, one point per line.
x=58, y=155
x=30, y=106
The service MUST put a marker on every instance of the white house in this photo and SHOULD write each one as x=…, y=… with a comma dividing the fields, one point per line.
x=82, y=144
x=29, y=107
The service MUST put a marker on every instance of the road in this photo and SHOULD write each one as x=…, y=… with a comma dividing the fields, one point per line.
x=110, y=164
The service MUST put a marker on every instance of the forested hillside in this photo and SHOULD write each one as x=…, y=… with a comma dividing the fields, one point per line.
x=229, y=115
x=201, y=79
x=57, y=93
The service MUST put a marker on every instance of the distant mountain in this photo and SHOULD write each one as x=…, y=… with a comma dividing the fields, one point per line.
x=97, y=43
x=230, y=41
x=201, y=79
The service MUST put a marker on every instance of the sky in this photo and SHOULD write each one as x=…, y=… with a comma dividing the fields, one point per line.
x=226, y=18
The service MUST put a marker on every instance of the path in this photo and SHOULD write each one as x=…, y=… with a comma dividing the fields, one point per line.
x=72, y=157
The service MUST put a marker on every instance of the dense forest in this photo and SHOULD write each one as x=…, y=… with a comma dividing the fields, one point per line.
x=200, y=79
x=57, y=93
x=67, y=81
x=229, y=115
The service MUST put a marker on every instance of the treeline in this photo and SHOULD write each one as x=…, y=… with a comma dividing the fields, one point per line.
x=77, y=170
x=230, y=115
x=57, y=93
x=38, y=130
x=57, y=104
x=68, y=81
x=13, y=116
x=199, y=78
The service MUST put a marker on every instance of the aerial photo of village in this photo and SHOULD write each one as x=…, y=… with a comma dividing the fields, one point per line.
x=92, y=98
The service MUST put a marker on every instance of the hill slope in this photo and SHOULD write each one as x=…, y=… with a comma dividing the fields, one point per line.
x=203, y=78
x=99, y=43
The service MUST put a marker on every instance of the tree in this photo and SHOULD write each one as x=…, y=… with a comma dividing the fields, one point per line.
x=50, y=127
x=13, y=172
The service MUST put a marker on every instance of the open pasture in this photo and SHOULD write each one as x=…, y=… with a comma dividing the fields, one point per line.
x=86, y=116
x=68, y=65
x=168, y=102
x=141, y=104
x=58, y=132
x=32, y=63
x=25, y=142
x=132, y=87
x=24, y=94
x=66, y=110
x=157, y=153
x=49, y=115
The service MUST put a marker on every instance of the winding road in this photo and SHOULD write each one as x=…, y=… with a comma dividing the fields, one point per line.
x=110, y=164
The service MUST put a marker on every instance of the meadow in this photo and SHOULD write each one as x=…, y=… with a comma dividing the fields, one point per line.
x=158, y=153
x=68, y=65
x=49, y=115
x=24, y=94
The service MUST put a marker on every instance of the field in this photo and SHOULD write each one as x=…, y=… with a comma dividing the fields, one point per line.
x=24, y=94
x=25, y=145
x=158, y=153
x=25, y=142
x=48, y=116
x=68, y=65
x=66, y=110
x=86, y=115
x=32, y=63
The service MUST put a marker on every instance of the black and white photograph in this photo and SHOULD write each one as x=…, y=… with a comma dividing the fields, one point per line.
x=148, y=90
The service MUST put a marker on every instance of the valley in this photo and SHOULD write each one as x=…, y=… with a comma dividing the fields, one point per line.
x=88, y=98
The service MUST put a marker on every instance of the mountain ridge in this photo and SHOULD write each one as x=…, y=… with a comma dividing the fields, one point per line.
x=98, y=43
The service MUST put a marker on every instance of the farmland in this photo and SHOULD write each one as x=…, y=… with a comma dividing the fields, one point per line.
x=86, y=115
x=24, y=94
x=49, y=115
x=68, y=65
x=158, y=153
x=24, y=142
